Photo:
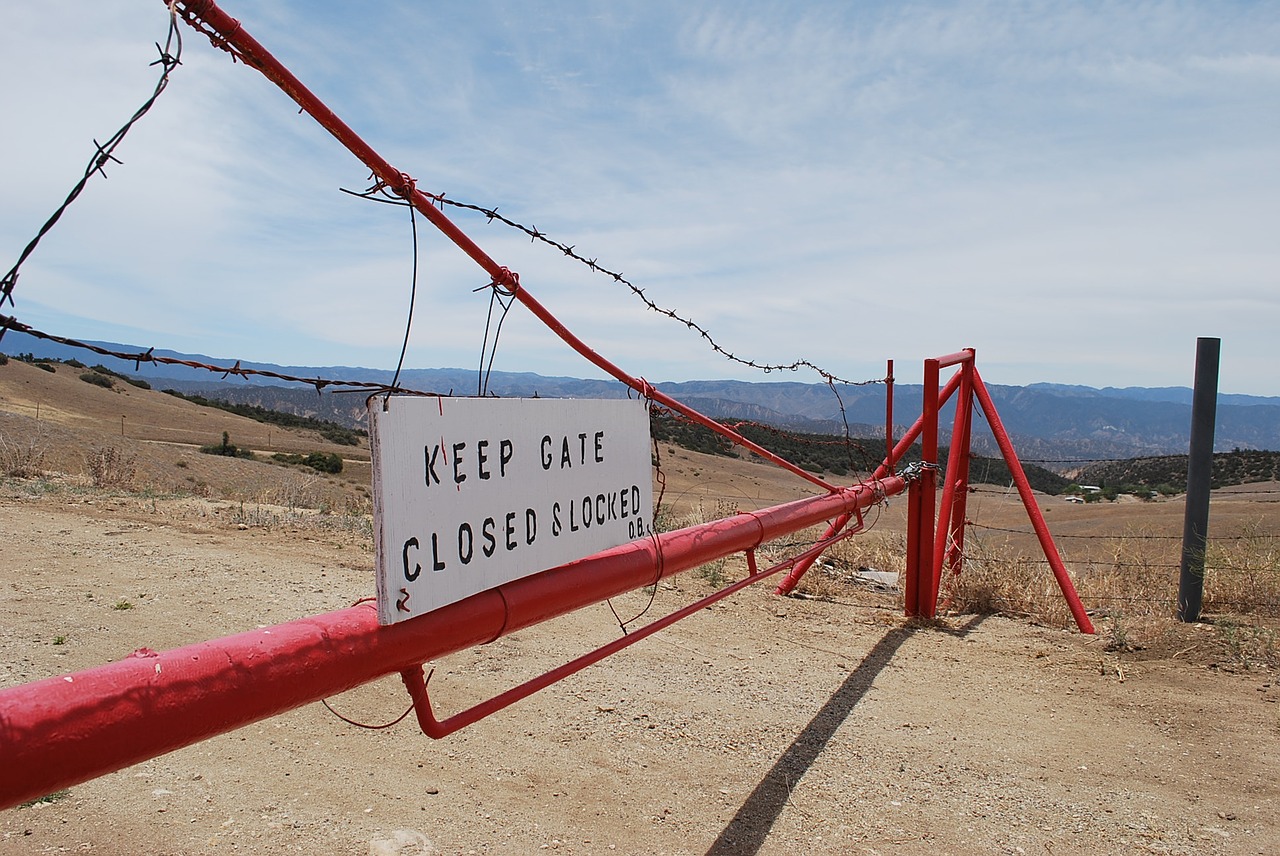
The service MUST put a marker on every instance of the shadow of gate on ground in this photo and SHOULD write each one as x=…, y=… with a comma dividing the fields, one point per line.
x=747, y=831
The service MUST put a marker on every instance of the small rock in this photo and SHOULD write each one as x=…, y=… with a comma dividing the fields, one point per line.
x=402, y=842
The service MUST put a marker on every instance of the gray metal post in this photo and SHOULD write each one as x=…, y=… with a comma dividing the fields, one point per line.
x=1195, y=526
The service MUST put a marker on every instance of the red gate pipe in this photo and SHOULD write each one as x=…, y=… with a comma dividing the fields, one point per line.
x=922, y=499
x=958, y=358
x=253, y=54
x=886, y=468
x=1033, y=510
x=437, y=729
x=950, y=527
x=64, y=730
x=955, y=552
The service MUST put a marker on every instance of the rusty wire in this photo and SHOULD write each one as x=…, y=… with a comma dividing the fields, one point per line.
x=846, y=440
x=104, y=153
x=149, y=356
x=594, y=264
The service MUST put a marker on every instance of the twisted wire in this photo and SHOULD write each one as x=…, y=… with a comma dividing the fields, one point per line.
x=594, y=264
x=104, y=153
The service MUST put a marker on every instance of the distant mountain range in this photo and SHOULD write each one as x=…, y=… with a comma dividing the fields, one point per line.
x=1048, y=421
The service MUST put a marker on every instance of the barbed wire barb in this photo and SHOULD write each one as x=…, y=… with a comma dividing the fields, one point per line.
x=593, y=264
x=104, y=153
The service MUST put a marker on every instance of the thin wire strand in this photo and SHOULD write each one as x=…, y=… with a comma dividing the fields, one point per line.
x=104, y=154
x=413, y=294
x=348, y=721
x=594, y=264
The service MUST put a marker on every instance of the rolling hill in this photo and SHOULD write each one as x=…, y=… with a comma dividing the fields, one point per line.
x=1062, y=425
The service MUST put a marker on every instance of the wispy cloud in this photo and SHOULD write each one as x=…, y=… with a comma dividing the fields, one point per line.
x=1076, y=190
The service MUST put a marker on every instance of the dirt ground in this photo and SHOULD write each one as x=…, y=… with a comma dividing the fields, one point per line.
x=763, y=725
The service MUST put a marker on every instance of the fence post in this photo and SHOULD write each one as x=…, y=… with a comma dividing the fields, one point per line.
x=922, y=499
x=1195, y=525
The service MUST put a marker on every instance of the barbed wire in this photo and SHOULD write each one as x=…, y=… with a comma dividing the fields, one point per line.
x=1057, y=536
x=1116, y=537
x=104, y=153
x=238, y=370
x=1098, y=460
x=847, y=442
x=1146, y=566
x=594, y=264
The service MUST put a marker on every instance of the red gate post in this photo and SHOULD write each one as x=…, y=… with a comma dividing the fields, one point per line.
x=922, y=499
x=1029, y=502
x=949, y=540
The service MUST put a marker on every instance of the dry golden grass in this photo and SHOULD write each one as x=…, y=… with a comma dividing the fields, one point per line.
x=1125, y=565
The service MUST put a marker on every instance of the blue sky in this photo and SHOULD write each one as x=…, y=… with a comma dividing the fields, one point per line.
x=1077, y=191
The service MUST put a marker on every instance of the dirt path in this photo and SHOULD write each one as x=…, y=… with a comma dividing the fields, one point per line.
x=760, y=726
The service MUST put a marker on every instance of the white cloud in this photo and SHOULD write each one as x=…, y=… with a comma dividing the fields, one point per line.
x=1074, y=190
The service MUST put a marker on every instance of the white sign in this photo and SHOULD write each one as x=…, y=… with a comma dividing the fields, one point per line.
x=471, y=493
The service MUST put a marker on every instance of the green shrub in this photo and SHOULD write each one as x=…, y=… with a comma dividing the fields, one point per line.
x=101, y=369
x=321, y=462
x=138, y=382
x=98, y=380
x=227, y=449
x=45, y=367
x=331, y=431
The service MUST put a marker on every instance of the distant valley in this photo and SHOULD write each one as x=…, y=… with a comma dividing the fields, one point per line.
x=1055, y=423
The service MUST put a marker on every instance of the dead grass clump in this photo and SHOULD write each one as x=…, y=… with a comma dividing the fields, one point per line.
x=22, y=458
x=294, y=493
x=111, y=468
x=1242, y=575
x=836, y=575
x=997, y=578
x=1247, y=645
x=668, y=520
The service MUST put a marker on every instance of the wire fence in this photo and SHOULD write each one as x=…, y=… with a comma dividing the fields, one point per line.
x=1119, y=548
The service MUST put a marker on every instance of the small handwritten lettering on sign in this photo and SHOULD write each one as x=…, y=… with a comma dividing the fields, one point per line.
x=471, y=493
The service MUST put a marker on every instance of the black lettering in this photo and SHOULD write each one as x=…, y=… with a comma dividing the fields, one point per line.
x=490, y=542
x=429, y=454
x=600, y=508
x=635, y=498
x=573, y=511
x=417, y=569
x=599, y=447
x=613, y=506
x=555, y=520
x=510, y=530
x=458, y=477
x=436, y=564
x=530, y=525
x=586, y=512
x=582, y=443
x=465, y=549
x=505, y=453
x=624, y=495
x=546, y=451
x=565, y=459
x=481, y=457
